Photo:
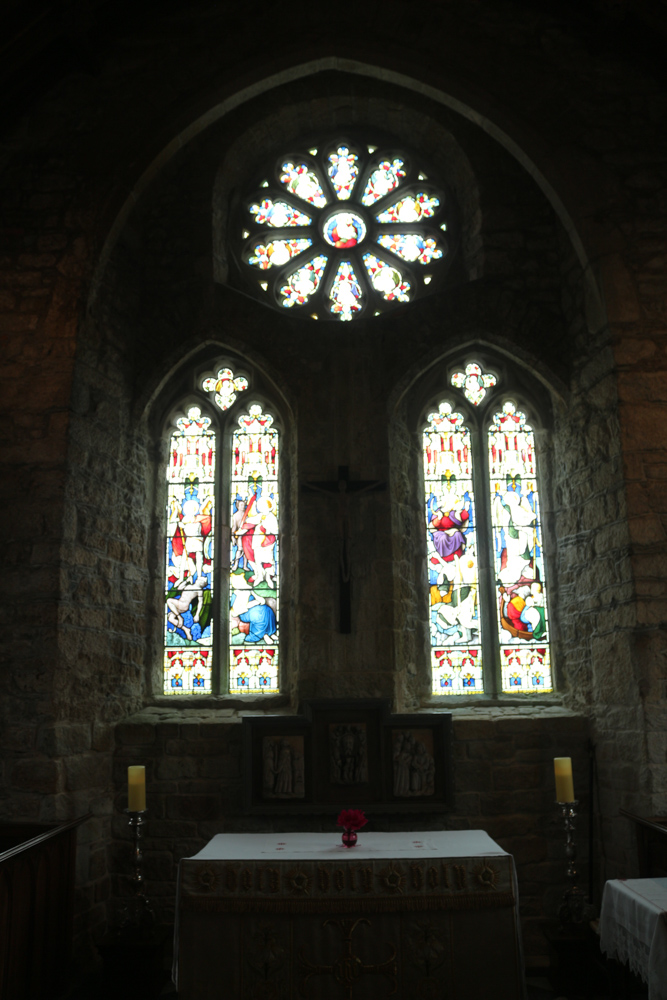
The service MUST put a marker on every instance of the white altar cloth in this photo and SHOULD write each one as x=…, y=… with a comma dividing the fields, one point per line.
x=328, y=846
x=303, y=916
x=633, y=929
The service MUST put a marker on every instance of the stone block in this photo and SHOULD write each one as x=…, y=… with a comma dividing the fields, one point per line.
x=220, y=767
x=174, y=768
x=135, y=734
x=65, y=738
x=525, y=850
x=196, y=807
x=19, y=739
x=469, y=776
x=169, y=829
x=502, y=748
x=36, y=775
x=88, y=771
x=518, y=777
x=159, y=865
x=474, y=729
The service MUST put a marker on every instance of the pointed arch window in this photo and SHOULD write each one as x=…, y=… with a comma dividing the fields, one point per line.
x=222, y=538
x=489, y=626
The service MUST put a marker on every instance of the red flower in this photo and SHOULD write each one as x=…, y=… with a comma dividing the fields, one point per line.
x=351, y=819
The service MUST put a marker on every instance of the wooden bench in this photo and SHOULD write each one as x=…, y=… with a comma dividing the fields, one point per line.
x=36, y=907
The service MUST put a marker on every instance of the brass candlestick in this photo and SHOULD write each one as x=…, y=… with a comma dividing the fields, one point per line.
x=137, y=913
x=573, y=908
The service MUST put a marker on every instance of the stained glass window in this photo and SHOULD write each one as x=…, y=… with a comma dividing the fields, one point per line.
x=456, y=654
x=489, y=624
x=253, y=557
x=519, y=558
x=240, y=654
x=345, y=230
x=189, y=587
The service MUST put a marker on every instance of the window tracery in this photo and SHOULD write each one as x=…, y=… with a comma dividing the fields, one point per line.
x=488, y=616
x=345, y=230
x=222, y=470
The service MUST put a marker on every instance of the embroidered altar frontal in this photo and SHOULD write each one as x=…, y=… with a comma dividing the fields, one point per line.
x=295, y=916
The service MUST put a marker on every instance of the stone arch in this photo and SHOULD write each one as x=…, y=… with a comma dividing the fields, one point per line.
x=528, y=151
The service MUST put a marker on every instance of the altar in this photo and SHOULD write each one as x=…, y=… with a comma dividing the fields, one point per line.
x=297, y=916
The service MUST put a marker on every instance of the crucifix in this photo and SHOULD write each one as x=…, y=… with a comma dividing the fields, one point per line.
x=342, y=489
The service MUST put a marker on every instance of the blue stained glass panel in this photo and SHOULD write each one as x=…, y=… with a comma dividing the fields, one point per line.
x=254, y=583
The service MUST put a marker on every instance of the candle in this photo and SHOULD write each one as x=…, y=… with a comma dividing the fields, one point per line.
x=564, y=785
x=136, y=788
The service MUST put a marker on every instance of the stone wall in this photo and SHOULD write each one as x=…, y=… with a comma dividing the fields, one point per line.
x=549, y=121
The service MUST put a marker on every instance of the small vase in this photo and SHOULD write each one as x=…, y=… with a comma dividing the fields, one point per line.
x=349, y=838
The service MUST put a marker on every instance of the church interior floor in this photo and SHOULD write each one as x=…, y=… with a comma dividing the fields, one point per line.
x=622, y=987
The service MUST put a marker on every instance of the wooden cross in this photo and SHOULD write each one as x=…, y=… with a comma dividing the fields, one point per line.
x=342, y=489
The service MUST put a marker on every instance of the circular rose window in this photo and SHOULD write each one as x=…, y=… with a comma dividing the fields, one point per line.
x=345, y=230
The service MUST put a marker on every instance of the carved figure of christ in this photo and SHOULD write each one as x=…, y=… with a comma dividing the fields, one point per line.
x=343, y=490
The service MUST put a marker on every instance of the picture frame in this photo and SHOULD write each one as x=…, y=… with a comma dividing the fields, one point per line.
x=348, y=753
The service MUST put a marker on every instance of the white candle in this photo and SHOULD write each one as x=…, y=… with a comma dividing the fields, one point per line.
x=564, y=783
x=136, y=788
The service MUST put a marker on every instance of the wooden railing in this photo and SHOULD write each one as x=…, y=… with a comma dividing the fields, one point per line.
x=36, y=907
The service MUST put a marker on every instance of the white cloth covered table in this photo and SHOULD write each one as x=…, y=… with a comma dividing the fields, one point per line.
x=300, y=916
x=633, y=929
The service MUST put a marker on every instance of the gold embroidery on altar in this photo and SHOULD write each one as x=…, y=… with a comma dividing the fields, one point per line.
x=486, y=875
x=392, y=878
x=207, y=878
x=461, y=876
x=348, y=968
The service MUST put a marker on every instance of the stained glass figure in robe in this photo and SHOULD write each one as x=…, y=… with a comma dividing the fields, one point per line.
x=343, y=171
x=346, y=295
x=521, y=600
x=385, y=178
x=254, y=556
x=386, y=279
x=456, y=654
x=412, y=208
x=303, y=282
x=276, y=253
x=278, y=214
x=411, y=247
x=304, y=183
x=189, y=616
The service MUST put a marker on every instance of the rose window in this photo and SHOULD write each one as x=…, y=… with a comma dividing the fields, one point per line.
x=345, y=230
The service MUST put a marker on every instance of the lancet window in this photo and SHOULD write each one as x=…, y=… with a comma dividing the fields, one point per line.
x=222, y=539
x=489, y=625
